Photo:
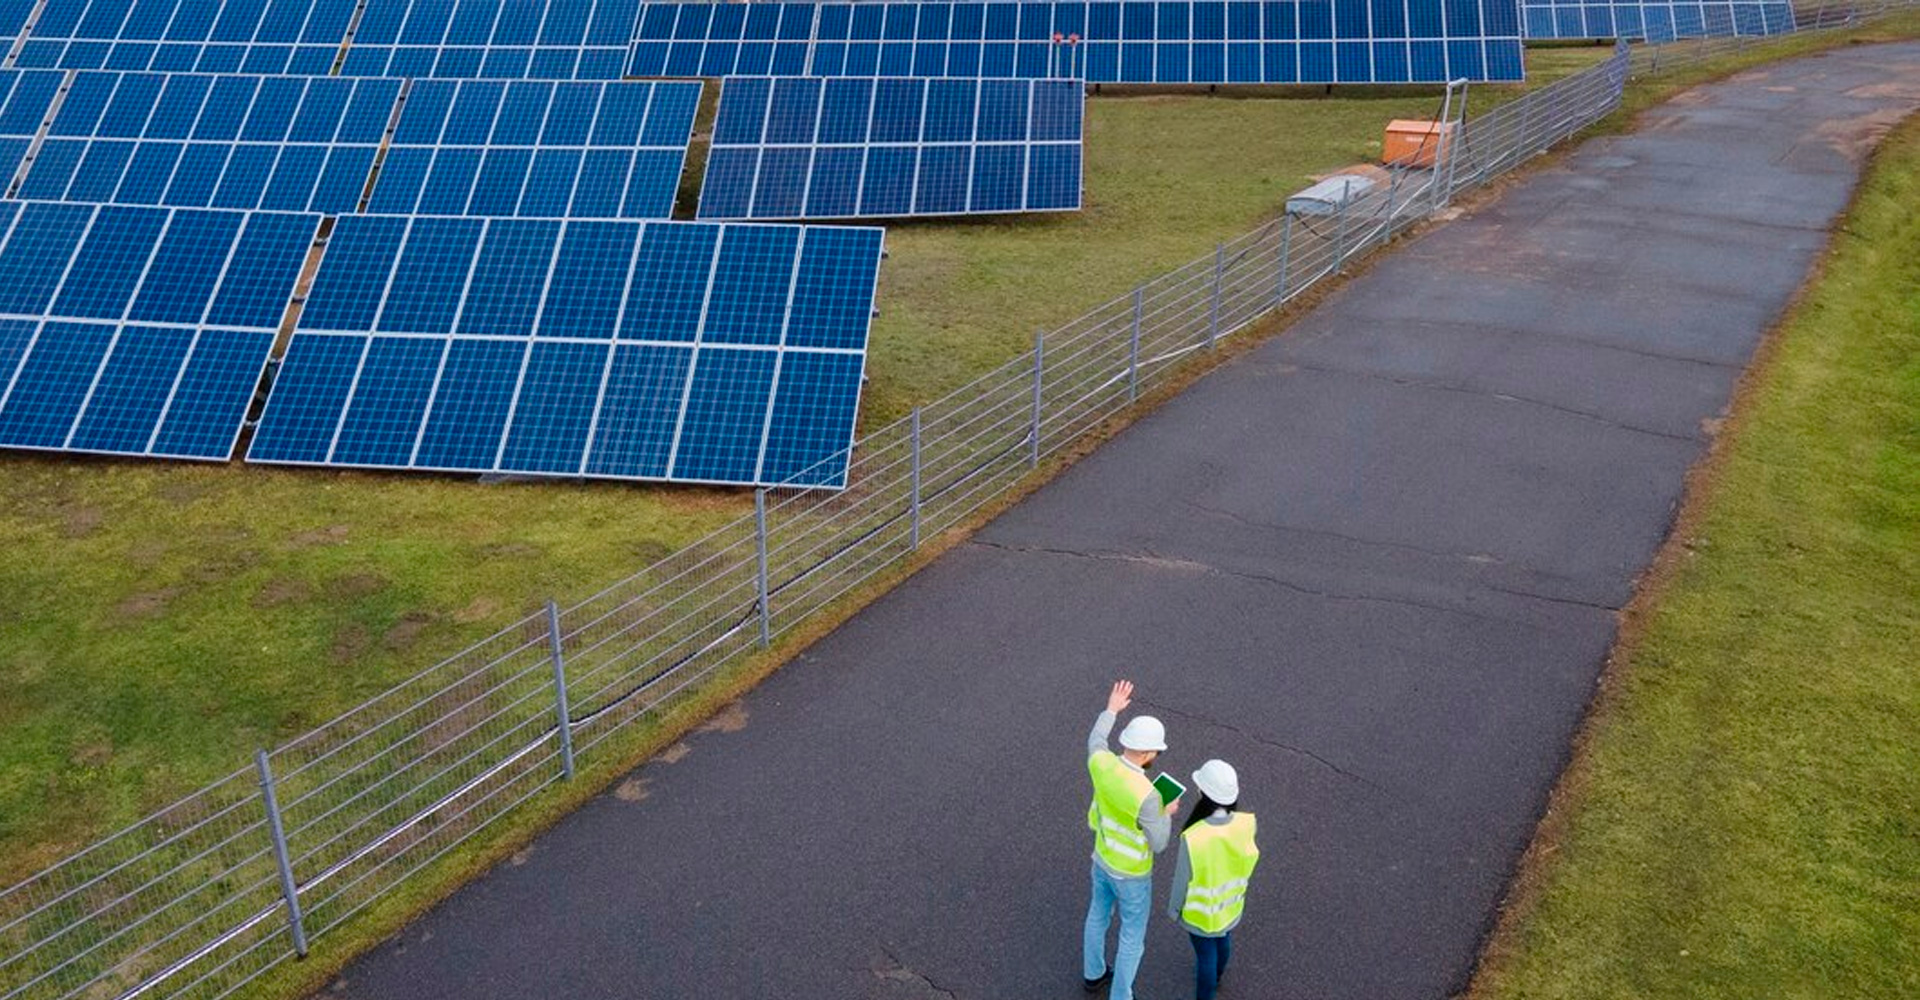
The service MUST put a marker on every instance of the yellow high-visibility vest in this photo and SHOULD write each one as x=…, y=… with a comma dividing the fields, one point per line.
x=1114, y=816
x=1222, y=857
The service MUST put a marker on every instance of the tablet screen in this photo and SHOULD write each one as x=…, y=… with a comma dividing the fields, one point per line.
x=1169, y=788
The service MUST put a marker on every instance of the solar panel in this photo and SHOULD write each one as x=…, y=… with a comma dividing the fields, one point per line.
x=13, y=20
x=25, y=98
x=1654, y=20
x=535, y=39
x=208, y=36
x=139, y=331
x=683, y=351
x=1173, y=41
x=526, y=148
x=814, y=148
x=297, y=144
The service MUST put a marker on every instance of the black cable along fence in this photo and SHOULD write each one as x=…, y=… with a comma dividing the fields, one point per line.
x=206, y=895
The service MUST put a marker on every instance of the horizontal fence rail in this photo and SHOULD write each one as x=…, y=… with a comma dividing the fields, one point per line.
x=206, y=895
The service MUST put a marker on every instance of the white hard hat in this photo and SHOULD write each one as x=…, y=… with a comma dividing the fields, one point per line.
x=1144, y=732
x=1217, y=780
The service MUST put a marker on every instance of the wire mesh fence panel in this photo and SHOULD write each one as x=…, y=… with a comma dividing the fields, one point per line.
x=185, y=882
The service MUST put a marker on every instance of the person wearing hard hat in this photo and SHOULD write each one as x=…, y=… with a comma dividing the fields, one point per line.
x=1217, y=855
x=1129, y=827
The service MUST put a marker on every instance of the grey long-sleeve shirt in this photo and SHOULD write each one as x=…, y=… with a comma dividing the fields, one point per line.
x=1154, y=821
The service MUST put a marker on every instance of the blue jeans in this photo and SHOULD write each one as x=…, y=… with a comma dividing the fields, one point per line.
x=1134, y=896
x=1210, y=956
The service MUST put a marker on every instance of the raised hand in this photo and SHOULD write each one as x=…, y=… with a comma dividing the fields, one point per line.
x=1120, y=697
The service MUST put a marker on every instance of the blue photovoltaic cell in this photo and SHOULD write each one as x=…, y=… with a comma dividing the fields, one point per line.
x=139, y=331
x=617, y=349
x=813, y=148
x=299, y=37
x=547, y=149
x=395, y=380
x=493, y=39
x=812, y=406
x=25, y=96
x=1655, y=20
x=1188, y=41
x=294, y=144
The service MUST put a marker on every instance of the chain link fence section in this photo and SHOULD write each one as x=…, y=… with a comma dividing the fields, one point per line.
x=203, y=897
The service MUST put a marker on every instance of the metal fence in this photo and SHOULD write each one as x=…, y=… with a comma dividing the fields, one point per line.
x=203, y=897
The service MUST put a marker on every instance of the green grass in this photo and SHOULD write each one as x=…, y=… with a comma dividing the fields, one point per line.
x=1744, y=818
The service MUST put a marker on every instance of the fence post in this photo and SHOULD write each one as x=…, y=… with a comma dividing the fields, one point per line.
x=1340, y=229
x=289, y=890
x=1453, y=143
x=760, y=559
x=913, y=534
x=1286, y=258
x=1393, y=188
x=1219, y=278
x=1039, y=364
x=1133, y=348
x=563, y=715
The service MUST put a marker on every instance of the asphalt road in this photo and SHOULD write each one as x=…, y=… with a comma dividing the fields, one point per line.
x=1375, y=564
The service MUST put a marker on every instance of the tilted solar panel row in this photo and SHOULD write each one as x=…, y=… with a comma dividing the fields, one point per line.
x=540, y=148
x=209, y=36
x=543, y=39
x=813, y=148
x=139, y=331
x=578, y=149
x=286, y=143
x=1654, y=20
x=660, y=350
x=1171, y=41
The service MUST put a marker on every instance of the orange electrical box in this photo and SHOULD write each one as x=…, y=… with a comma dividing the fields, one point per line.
x=1415, y=143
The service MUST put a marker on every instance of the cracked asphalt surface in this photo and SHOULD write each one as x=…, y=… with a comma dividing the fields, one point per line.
x=1374, y=564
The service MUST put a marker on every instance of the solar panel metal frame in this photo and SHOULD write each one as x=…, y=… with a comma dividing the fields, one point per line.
x=203, y=328
x=149, y=35
x=1020, y=39
x=448, y=101
x=920, y=147
x=264, y=136
x=387, y=29
x=1655, y=20
x=829, y=472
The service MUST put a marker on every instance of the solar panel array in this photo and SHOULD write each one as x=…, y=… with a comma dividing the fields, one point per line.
x=1655, y=20
x=1171, y=41
x=287, y=143
x=139, y=331
x=807, y=147
x=526, y=148
x=209, y=36
x=629, y=350
x=544, y=39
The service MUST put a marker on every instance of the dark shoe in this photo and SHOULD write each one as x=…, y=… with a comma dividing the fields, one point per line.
x=1096, y=985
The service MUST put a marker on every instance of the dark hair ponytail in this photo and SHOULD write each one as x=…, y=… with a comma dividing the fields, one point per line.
x=1202, y=809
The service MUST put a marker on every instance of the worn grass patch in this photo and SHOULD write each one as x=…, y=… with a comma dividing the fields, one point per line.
x=1743, y=819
